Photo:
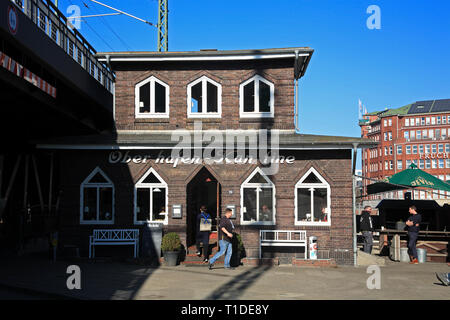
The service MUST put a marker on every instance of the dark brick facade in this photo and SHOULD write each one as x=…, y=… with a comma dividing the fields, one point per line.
x=229, y=74
x=334, y=165
x=335, y=169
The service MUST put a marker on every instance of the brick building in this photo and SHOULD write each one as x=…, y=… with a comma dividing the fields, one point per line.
x=416, y=133
x=130, y=178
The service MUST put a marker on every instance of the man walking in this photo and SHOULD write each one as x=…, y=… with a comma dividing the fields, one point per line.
x=226, y=228
x=366, y=226
x=413, y=224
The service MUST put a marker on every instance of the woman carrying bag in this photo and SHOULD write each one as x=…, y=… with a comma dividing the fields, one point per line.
x=204, y=227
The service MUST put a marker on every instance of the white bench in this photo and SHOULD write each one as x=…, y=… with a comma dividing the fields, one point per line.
x=289, y=238
x=109, y=237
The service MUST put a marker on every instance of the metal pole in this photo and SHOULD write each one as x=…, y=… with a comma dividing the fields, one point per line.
x=38, y=183
x=354, y=205
x=217, y=215
x=50, y=185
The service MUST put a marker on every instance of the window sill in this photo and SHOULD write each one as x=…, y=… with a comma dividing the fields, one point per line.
x=87, y=222
x=256, y=115
x=151, y=222
x=258, y=223
x=313, y=224
x=204, y=116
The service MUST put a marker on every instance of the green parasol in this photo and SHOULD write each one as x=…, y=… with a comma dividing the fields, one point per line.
x=409, y=178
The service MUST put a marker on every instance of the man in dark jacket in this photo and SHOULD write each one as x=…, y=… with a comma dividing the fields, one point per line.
x=203, y=236
x=413, y=224
x=366, y=226
x=226, y=228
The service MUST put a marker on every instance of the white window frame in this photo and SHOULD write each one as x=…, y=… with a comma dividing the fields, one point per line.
x=247, y=185
x=141, y=185
x=96, y=185
x=152, y=113
x=257, y=113
x=301, y=185
x=204, y=114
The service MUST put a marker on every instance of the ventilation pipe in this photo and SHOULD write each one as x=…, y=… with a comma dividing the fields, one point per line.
x=296, y=88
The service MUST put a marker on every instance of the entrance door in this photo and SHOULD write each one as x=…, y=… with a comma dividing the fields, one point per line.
x=203, y=189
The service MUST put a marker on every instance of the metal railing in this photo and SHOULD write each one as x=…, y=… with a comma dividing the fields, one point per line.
x=57, y=27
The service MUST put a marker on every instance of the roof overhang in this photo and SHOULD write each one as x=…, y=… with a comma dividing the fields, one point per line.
x=128, y=140
x=300, y=55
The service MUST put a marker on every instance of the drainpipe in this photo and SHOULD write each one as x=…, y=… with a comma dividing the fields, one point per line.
x=296, y=113
x=355, y=247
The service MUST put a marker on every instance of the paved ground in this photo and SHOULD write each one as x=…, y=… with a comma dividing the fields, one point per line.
x=114, y=280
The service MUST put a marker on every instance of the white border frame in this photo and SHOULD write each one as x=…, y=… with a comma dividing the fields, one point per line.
x=257, y=114
x=204, y=113
x=247, y=185
x=152, y=113
x=87, y=184
x=301, y=185
x=140, y=184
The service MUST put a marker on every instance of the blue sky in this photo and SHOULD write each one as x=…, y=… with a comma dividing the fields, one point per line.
x=408, y=59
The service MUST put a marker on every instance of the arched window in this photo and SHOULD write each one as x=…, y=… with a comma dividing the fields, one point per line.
x=256, y=98
x=204, y=98
x=97, y=199
x=150, y=199
x=258, y=199
x=152, y=99
x=312, y=199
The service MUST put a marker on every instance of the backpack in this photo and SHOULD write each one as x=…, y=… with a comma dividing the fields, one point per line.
x=205, y=223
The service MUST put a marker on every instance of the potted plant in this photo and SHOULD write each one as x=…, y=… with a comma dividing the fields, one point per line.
x=171, y=246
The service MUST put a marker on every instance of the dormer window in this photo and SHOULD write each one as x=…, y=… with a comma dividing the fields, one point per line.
x=204, y=98
x=256, y=98
x=152, y=99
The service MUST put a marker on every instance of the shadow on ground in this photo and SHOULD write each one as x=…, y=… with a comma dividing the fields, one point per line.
x=234, y=288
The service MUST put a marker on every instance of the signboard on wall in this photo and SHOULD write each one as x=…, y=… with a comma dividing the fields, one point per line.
x=13, y=20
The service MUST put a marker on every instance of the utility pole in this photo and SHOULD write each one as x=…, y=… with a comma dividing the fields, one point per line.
x=163, y=16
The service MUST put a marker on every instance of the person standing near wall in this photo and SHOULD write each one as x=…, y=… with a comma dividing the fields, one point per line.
x=366, y=226
x=226, y=228
x=413, y=224
x=204, y=225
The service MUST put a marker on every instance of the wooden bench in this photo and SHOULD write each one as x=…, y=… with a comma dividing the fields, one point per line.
x=109, y=237
x=288, y=238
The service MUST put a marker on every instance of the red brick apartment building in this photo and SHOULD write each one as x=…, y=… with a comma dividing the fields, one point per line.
x=417, y=133
x=128, y=179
